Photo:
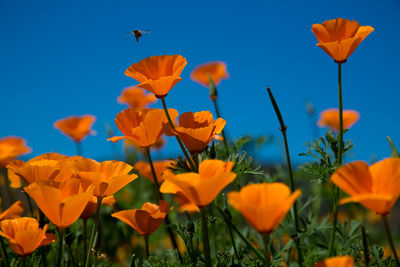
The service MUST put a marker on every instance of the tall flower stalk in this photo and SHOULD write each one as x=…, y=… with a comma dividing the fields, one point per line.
x=389, y=235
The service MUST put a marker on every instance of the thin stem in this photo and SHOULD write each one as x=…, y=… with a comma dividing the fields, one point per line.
x=339, y=161
x=365, y=246
x=244, y=239
x=233, y=242
x=206, y=242
x=389, y=235
x=188, y=158
x=146, y=242
x=28, y=199
x=71, y=255
x=78, y=148
x=95, y=228
x=4, y=252
x=266, y=248
x=84, y=233
x=60, y=245
x=219, y=116
x=43, y=258
x=283, y=129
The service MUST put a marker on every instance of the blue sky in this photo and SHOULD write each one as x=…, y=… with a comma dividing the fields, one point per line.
x=62, y=58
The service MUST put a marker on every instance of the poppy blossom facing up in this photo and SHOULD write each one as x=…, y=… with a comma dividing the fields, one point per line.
x=158, y=74
x=340, y=261
x=330, y=118
x=12, y=147
x=146, y=220
x=203, y=187
x=216, y=70
x=136, y=98
x=264, y=205
x=197, y=130
x=376, y=187
x=76, y=127
x=159, y=166
x=339, y=37
x=14, y=211
x=24, y=235
x=144, y=127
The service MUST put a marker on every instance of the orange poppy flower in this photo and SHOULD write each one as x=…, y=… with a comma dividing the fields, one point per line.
x=92, y=205
x=159, y=166
x=376, y=187
x=61, y=202
x=48, y=166
x=330, y=118
x=14, y=211
x=216, y=70
x=203, y=187
x=196, y=130
x=146, y=220
x=340, y=261
x=24, y=235
x=136, y=98
x=158, y=74
x=185, y=204
x=108, y=177
x=76, y=127
x=263, y=205
x=144, y=128
x=12, y=147
x=339, y=38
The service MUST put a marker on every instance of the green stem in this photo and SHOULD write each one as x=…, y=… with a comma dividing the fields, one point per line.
x=84, y=233
x=389, y=235
x=95, y=228
x=146, y=242
x=233, y=242
x=78, y=148
x=71, y=255
x=206, y=242
x=244, y=239
x=60, y=245
x=188, y=158
x=219, y=116
x=365, y=246
x=339, y=161
x=28, y=199
x=266, y=248
x=4, y=252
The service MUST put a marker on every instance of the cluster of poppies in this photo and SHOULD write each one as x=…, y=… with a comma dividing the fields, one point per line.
x=68, y=188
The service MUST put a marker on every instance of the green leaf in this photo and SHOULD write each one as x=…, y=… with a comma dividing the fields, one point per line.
x=394, y=153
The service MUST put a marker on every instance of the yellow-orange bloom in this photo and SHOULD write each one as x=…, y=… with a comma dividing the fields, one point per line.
x=158, y=74
x=12, y=147
x=263, y=205
x=185, y=204
x=339, y=38
x=61, y=202
x=197, y=130
x=159, y=166
x=14, y=211
x=76, y=127
x=376, y=187
x=330, y=118
x=136, y=98
x=146, y=220
x=92, y=205
x=108, y=177
x=216, y=70
x=144, y=127
x=24, y=235
x=203, y=187
x=340, y=261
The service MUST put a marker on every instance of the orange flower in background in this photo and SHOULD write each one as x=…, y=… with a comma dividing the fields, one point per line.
x=197, y=130
x=158, y=74
x=339, y=38
x=24, y=235
x=108, y=177
x=376, y=187
x=263, y=205
x=216, y=70
x=330, y=118
x=76, y=127
x=136, y=98
x=185, y=204
x=12, y=147
x=14, y=211
x=61, y=202
x=144, y=128
x=203, y=187
x=340, y=261
x=92, y=205
x=146, y=220
x=159, y=166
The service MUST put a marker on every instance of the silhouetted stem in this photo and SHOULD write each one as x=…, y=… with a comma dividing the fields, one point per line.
x=146, y=242
x=206, y=242
x=60, y=246
x=4, y=252
x=390, y=239
x=266, y=248
x=95, y=228
x=78, y=148
x=178, y=139
x=365, y=246
x=84, y=233
x=219, y=116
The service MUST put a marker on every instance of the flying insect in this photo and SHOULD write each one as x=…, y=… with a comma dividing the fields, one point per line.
x=138, y=33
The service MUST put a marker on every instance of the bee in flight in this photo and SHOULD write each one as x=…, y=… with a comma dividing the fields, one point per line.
x=137, y=33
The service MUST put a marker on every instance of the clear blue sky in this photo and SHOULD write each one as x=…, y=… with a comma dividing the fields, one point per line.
x=61, y=58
